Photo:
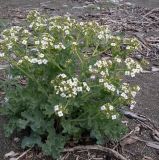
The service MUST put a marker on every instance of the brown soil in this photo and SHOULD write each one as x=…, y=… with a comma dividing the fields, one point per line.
x=127, y=20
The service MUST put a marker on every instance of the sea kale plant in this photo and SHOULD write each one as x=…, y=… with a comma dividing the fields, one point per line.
x=66, y=81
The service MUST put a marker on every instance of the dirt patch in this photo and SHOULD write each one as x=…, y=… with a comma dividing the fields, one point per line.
x=126, y=20
x=6, y=144
x=147, y=100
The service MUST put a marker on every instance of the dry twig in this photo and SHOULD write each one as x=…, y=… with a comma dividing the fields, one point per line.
x=23, y=154
x=109, y=151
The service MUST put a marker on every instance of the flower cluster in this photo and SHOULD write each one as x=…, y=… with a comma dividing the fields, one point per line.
x=2, y=54
x=102, y=71
x=101, y=67
x=104, y=34
x=59, y=46
x=109, y=110
x=59, y=110
x=33, y=60
x=109, y=86
x=132, y=67
x=69, y=87
x=11, y=36
x=45, y=42
x=128, y=44
x=128, y=92
x=37, y=22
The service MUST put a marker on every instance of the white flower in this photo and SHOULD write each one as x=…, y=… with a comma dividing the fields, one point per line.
x=100, y=36
x=66, y=27
x=26, y=57
x=138, y=88
x=68, y=18
x=111, y=107
x=44, y=61
x=128, y=47
x=12, y=35
x=41, y=55
x=34, y=60
x=39, y=61
x=26, y=31
x=124, y=95
x=57, y=92
x=9, y=46
x=37, y=42
x=114, y=117
x=93, y=77
x=61, y=89
x=118, y=92
x=59, y=27
x=133, y=93
x=102, y=73
x=85, y=84
x=127, y=73
x=56, y=108
x=87, y=89
x=81, y=23
x=132, y=106
x=112, y=88
x=113, y=44
x=63, y=75
x=31, y=25
x=79, y=89
x=44, y=42
x=62, y=46
x=63, y=95
x=60, y=114
x=103, y=108
x=132, y=74
x=101, y=80
x=118, y=38
x=24, y=42
x=67, y=32
x=106, y=84
x=6, y=99
x=118, y=60
x=2, y=54
x=57, y=46
x=74, y=43
x=20, y=61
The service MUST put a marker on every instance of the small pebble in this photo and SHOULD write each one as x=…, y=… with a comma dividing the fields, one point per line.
x=16, y=139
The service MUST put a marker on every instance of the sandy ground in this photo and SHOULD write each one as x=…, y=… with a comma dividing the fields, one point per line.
x=147, y=99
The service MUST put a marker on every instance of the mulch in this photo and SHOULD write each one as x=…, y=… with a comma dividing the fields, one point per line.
x=142, y=141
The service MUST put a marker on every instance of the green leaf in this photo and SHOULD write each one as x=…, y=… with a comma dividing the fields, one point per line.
x=22, y=124
x=10, y=127
x=33, y=139
x=54, y=144
x=71, y=129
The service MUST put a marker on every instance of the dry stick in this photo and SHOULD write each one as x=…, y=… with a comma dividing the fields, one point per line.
x=138, y=117
x=23, y=154
x=127, y=135
x=97, y=147
x=142, y=41
x=153, y=10
x=132, y=115
x=153, y=129
x=142, y=120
